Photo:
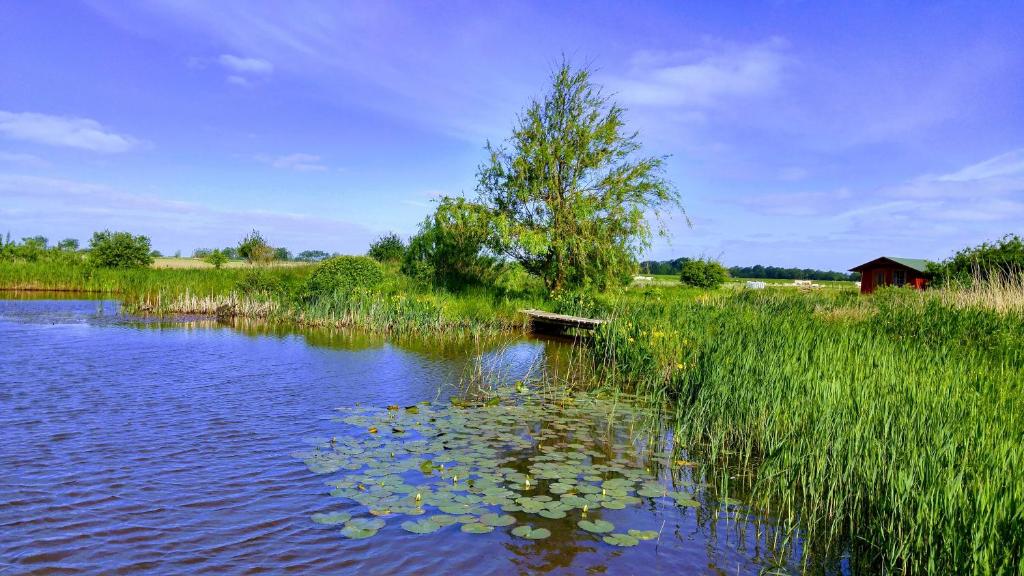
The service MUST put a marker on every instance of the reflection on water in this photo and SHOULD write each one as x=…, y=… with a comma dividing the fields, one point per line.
x=166, y=447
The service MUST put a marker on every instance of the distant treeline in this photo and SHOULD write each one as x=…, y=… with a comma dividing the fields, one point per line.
x=674, y=267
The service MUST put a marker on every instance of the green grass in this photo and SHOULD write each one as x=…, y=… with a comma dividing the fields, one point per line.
x=275, y=294
x=889, y=427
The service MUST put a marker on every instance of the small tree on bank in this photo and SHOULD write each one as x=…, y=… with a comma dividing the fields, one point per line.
x=997, y=260
x=569, y=196
x=216, y=258
x=703, y=273
x=387, y=248
x=119, y=250
x=255, y=249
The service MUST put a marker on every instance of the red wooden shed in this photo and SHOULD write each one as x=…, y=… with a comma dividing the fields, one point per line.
x=890, y=271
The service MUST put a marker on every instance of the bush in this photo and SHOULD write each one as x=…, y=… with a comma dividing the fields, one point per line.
x=215, y=257
x=997, y=260
x=119, y=250
x=255, y=249
x=344, y=274
x=703, y=273
x=387, y=248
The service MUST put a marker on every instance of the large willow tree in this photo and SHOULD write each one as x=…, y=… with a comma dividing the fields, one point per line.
x=569, y=195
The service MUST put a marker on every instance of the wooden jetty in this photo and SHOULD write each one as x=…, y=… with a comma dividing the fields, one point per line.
x=551, y=323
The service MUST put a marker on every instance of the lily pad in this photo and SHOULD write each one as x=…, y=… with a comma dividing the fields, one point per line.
x=531, y=533
x=477, y=528
x=652, y=491
x=420, y=526
x=331, y=518
x=359, y=528
x=621, y=540
x=498, y=520
x=553, y=514
x=596, y=526
x=644, y=534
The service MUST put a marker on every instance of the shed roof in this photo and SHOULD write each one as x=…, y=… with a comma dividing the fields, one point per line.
x=917, y=264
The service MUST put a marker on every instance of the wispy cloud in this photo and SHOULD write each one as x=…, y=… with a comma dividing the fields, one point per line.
x=77, y=208
x=22, y=159
x=245, y=65
x=298, y=162
x=67, y=131
x=702, y=78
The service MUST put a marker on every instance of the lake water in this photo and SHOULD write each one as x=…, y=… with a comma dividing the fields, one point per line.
x=135, y=446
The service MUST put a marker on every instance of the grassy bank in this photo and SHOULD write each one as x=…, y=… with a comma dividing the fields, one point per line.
x=888, y=427
x=274, y=294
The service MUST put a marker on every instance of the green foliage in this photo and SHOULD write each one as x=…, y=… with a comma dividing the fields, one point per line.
x=568, y=198
x=119, y=250
x=68, y=245
x=674, y=267
x=312, y=256
x=448, y=250
x=282, y=254
x=255, y=249
x=886, y=426
x=216, y=258
x=703, y=273
x=1003, y=258
x=387, y=248
x=343, y=274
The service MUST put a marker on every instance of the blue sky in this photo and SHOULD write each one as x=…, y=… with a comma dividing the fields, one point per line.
x=800, y=134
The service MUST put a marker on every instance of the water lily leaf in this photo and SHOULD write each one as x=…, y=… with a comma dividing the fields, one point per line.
x=688, y=502
x=331, y=518
x=498, y=520
x=621, y=540
x=365, y=523
x=553, y=514
x=613, y=504
x=477, y=528
x=652, y=492
x=559, y=488
x=644, y=534
x=529, y=532
x=596, y=526
x=424, y=526
x=357, y=533
x=440, y=520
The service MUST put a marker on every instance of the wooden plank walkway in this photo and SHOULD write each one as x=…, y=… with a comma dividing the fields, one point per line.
x=542, y=321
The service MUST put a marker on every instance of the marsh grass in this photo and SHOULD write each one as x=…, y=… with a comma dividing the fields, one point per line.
x=886, y=428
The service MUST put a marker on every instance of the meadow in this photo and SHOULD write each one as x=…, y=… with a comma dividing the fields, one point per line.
x=884, y=429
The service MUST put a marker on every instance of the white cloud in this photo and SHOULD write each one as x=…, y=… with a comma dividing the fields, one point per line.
x=297, y=162
x=242, y=65
x=702, y=78
x=63, y=207
x=22, y=159
x=68, y=131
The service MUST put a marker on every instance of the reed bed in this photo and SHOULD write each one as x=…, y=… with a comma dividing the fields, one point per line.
x=886, y=429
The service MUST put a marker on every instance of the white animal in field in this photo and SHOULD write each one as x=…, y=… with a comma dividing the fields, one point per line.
x=754, y=285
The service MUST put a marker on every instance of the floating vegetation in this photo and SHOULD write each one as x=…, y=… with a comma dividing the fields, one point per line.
x=515, y=458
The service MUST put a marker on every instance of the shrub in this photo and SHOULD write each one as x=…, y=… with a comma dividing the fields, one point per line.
x=999, y=260
x=343, y=274
x=255, y=249
x=215, y=257
x=119, y=250
x=387, y=248
x=703, y=273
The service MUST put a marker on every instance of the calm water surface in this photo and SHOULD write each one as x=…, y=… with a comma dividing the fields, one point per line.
x=168, y=448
